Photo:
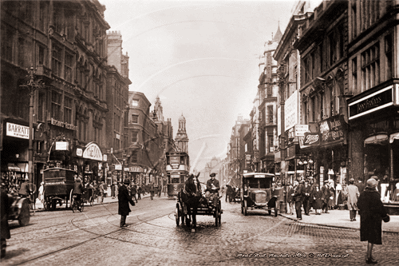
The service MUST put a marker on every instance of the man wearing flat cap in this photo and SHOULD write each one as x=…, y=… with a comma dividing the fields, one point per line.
x=212, y=185
x=123, y=202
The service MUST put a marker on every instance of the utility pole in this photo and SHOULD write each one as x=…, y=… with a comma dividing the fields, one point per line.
x=32, y=85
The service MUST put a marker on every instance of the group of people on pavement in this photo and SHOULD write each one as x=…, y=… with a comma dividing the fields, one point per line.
x=305, y=195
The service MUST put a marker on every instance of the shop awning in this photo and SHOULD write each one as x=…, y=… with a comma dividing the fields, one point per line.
x=393, y=136
x=377, y=139
x=13, y=168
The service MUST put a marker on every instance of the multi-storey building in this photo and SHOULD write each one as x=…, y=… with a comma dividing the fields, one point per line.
x=117, y=100
x=322, y=42
x=65, y=43
x=287, y=153
x=234, y=151
x=267, y=93
x=373, y=88
x=148, y=139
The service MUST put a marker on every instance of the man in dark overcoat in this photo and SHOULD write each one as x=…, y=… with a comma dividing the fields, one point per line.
x=306, y=197
x=5, y=230
x=372, y=212
x=212, y=185
x=123, y=202
x=326, y=195
x=297, y=197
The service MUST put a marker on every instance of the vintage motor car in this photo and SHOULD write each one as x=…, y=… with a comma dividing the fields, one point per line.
x=256, y=191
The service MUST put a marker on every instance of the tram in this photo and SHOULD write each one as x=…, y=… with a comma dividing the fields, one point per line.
x=177, y=169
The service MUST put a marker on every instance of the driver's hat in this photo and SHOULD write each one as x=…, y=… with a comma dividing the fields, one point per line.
x=213, y=174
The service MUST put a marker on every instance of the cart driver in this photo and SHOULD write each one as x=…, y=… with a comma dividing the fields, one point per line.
x=212, y=185
x=24, y=191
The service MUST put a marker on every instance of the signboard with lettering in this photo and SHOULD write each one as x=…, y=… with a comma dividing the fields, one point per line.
x=291, y=111
x=279, y=121
x=300, y=130
x=93, y=152
x=62, y=146
x=118, y=167
x=17, y=131
x=57, y=123
x=332, y=129
x=309, y=140
x=371, y=103
x=137, y=169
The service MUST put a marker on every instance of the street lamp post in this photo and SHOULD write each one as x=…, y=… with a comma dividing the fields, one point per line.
x=32, y=85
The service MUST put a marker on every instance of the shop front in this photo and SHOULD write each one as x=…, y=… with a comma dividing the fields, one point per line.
x=90, y=160
x=14, y=153
x=374, y=135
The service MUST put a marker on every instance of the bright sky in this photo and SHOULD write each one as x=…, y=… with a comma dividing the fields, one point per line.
x=200, y=57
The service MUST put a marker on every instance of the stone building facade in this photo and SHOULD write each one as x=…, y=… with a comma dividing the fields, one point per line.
x=65, y=43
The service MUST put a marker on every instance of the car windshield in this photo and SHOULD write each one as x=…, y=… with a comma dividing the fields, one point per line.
x=258, y=182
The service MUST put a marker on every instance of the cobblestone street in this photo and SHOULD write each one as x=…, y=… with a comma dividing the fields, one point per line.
x=152, y=238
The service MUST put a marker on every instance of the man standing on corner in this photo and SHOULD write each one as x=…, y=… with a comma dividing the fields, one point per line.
x=353, y=195
x=123, y=202
x=212, y=185
x=297, y=197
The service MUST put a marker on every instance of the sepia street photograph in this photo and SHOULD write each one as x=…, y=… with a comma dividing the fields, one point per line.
x=199, y=132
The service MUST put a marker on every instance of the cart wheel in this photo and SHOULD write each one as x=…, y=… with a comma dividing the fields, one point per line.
x=24, y=216
x=245, y=207
x=220, y=218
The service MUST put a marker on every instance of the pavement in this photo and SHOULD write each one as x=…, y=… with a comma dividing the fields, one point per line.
x=340, y=219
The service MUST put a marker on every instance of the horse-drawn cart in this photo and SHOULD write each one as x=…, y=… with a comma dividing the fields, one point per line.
x=188, y=208
x=58, y=184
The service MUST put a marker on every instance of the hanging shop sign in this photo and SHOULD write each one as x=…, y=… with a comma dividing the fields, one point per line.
x=62, y=146
x=118, y=167
x=373, y=102
x=300, y=130
x=309, y=140
x=332, y=129
x=17, y=131
x=136, y=169
x=93, y=152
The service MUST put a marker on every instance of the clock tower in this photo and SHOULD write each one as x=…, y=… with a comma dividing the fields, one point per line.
x=181, y=136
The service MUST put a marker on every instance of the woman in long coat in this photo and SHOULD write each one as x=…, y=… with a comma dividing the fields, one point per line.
x=317, y=197
x=123, y=203
x=371, y=213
